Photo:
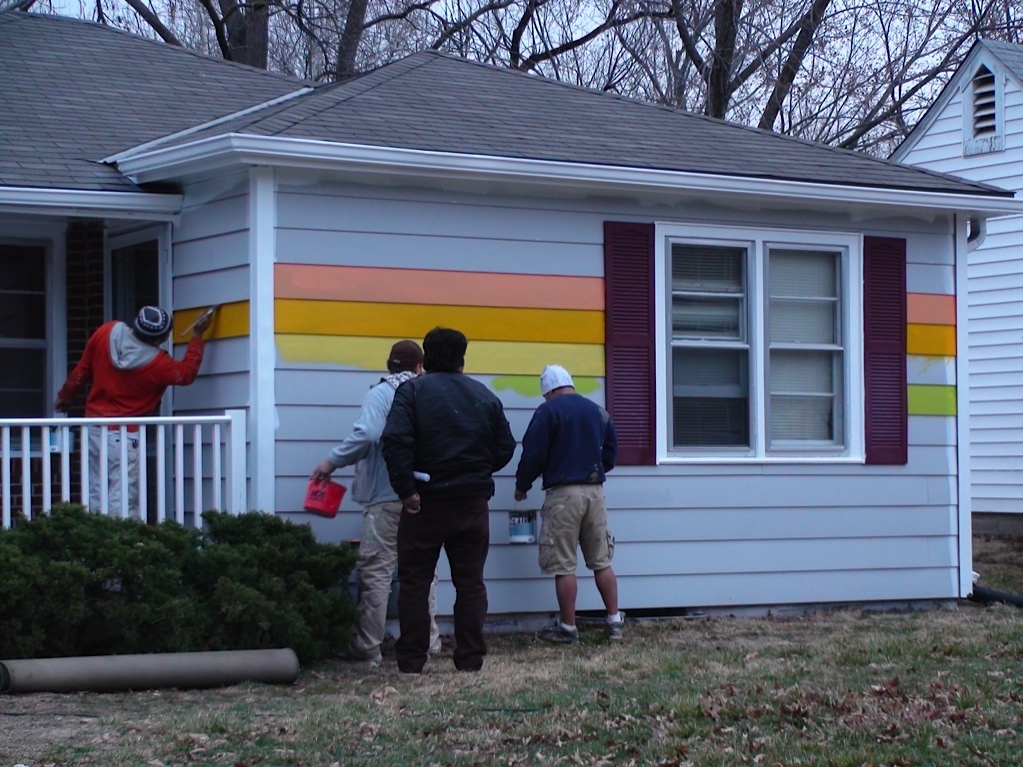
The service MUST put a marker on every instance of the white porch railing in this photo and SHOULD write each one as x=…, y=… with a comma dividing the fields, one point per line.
x=43, y=460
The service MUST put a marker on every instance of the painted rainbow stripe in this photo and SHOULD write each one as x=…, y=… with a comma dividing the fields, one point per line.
x=431, y=286
x=931, y=353
x=230, y=321
x=516, y=323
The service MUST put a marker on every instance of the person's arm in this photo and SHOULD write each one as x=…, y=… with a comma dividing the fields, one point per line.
x=80, y=377
x=366, y=432
x=168, y=371
x=399, y=443
x=534, y=454
x=610, y=452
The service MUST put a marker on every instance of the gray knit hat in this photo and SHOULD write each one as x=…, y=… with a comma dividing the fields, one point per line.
x=152, y=323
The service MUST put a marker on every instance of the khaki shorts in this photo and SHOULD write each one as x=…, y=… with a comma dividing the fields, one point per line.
x=574, y=515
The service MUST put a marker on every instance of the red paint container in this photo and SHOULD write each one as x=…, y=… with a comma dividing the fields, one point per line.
x=323, y=498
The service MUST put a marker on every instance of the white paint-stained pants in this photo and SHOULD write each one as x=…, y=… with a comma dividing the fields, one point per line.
x=378, y=556
x=113, y=478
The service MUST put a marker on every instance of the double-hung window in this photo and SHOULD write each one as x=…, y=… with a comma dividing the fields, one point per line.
x=759, y=347
x=23, y=331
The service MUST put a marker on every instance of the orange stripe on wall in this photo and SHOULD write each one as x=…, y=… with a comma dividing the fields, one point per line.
x=425, y=286
x=930, y=309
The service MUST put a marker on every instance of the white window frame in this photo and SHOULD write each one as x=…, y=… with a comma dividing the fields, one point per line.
x=850, y=245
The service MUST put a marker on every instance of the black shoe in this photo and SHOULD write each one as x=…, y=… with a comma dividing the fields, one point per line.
x=558, y=635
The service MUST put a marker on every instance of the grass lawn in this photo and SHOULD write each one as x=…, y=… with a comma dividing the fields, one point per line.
x=843, y=687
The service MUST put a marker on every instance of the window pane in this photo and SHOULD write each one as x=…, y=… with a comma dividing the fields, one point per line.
x=707, y=422
x=803, y=273
x=804, y=386
x=707, y=268
x=794, y=416
x=802, y=418
x=710, y=400
x=22, y=377
x=135, y=278
x=22, y=316
x=803, y=322
x=693, y=317
x=23, y=267
x=799, y=371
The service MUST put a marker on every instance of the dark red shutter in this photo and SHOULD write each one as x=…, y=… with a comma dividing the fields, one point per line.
x=884, y=350
x=629, y=338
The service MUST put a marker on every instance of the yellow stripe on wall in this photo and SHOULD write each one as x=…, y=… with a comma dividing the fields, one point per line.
x=931, y=340
x=931, y=400
x=352, y=318
x=230, y=321
x=482, y=357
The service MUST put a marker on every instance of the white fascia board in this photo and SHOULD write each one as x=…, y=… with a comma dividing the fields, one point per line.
x=213, y=153
x=203, y=126
x=157, y=207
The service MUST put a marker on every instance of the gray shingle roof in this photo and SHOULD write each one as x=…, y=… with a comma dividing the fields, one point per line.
x=73, y=92
x=1010, y=54
x=433, y=101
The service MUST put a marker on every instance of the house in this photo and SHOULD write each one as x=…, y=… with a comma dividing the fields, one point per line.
x=975, y=130
x=771, y=323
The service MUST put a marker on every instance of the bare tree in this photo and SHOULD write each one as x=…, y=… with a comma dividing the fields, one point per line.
x=854, y=73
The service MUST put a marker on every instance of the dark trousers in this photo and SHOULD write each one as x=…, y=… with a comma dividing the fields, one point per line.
x=462, y=527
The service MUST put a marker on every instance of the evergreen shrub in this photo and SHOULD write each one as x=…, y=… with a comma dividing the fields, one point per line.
x=74, y=583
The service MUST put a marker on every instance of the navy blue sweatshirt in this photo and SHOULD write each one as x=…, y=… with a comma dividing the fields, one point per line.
x=570, y=441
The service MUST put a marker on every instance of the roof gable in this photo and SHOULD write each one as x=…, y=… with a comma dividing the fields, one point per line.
x=995, y=55
x=73, y=92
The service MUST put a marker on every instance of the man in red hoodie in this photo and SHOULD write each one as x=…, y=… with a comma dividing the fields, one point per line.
x=129, y=373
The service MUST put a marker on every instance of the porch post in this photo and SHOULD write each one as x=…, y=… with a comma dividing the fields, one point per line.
x=262, y=350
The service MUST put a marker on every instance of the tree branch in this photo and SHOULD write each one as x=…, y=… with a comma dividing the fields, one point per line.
x=808, y=26
x=609, y=23
x=218, y=28
x=468, y=21
x=153, y=20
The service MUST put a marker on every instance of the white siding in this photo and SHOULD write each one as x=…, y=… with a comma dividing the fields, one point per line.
x=995, y=321
x=210, y=266
x=688, y=536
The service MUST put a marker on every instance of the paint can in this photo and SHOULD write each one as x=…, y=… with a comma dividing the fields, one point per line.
x=522, y=526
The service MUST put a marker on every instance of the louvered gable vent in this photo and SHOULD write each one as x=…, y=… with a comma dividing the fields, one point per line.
x=984, y=123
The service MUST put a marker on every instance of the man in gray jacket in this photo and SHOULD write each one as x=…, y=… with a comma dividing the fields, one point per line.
x=378, y=552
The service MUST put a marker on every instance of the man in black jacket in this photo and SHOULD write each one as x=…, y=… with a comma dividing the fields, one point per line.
x=451, y=429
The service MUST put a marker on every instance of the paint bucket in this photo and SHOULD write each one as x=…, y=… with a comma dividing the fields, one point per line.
x=323, y=498
x=522, y=527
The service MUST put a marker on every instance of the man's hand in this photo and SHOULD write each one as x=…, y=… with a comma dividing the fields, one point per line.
x=203, y=324
x=61, y=405
x=520, y=495
x=323, y=471
x=412, y=503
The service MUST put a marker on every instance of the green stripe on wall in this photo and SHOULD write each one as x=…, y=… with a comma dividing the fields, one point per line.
x=931, y=400
x=529, y=386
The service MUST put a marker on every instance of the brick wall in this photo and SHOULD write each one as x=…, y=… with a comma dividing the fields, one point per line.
x=84, y=289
